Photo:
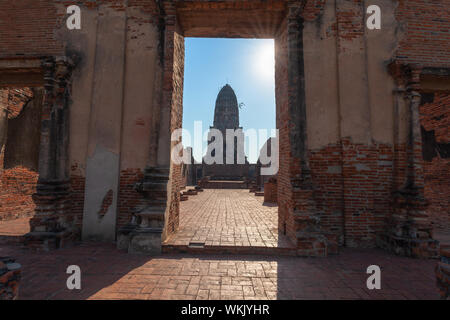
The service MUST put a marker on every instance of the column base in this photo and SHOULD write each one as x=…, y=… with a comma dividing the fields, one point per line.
x=46, y=241
x=409, y=231
x=140, y=240
x=409, y=247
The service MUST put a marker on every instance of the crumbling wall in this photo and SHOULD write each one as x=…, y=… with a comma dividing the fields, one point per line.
x=435, y=123
x=19, y=150
x=350, y=117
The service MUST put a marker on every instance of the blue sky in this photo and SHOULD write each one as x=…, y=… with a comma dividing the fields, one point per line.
x=246, y=64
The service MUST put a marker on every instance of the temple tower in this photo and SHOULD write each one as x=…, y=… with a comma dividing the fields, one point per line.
x=226, y=116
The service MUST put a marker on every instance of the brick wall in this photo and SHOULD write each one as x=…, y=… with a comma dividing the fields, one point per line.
x=367, y=187
x=326, y=167
x=176, y=84
x=270, y=190
x=129, y=198
x=426, y=26
x=27, y=27
x=435, y=122
x=17, y=183
x=17, y=187
x=14, y=100
x=286, y=222
x=77, y=184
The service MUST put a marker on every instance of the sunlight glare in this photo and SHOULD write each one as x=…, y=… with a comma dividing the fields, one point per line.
x=264, y=62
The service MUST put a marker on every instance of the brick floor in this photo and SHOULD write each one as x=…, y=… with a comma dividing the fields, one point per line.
x=217, y=216
x=228, y=217
x=11, y=231
x=111, y=274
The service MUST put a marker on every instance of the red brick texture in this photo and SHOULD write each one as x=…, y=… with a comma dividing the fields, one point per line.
x=173, y=95
x=17, y=184
x=435, y=119
x=77, y=184
x=271, y=190
x=13, y=100
x=129, y=197
x=17, y=187
x=28, y=28
x=286, y=222
x=426, y=26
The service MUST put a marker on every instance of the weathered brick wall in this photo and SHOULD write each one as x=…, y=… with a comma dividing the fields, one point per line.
x=176, y=177
x=435, y=122
x=14, y=100
x=285, y=204
x=426, y=26
x=326, y=167
x=270, y=190
x=77, y=184
x=367, y=188
x=17, y=187
x=17, y=183
x=27, y=27
x=129, y=197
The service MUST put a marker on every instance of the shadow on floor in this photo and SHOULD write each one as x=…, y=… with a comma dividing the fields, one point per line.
x=44, y=273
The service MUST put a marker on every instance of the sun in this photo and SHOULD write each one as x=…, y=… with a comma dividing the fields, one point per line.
x=264, y=61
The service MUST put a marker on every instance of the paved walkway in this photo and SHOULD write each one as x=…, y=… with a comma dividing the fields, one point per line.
x=228, y=217
x=111, y=274
x=216, y=216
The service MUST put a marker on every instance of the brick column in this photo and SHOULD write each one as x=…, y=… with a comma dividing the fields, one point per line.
x=50, y=227
x=409, y=230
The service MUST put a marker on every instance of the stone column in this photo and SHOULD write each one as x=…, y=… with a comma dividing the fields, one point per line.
x=49, y=226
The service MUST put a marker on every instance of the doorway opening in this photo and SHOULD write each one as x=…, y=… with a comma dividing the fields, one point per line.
x=228, y=194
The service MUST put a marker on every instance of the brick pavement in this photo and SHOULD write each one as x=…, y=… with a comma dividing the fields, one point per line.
x=111, y=274
x=222, y=218
x=12, y=231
